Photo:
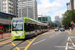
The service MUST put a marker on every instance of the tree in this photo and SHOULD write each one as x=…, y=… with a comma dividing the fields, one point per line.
x=68, y=16
x=54, y=25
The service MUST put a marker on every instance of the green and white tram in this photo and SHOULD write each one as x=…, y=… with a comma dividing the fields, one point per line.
x=25, y=27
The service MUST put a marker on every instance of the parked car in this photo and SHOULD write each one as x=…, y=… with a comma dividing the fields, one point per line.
x=62, y=29
x=56, y=29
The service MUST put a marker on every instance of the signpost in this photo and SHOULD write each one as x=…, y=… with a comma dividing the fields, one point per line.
x=72, y=22
x=47, y=23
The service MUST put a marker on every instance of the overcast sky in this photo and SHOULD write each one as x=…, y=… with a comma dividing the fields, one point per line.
x=52, y=7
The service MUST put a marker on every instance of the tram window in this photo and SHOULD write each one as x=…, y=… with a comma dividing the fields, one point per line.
x=29, y=27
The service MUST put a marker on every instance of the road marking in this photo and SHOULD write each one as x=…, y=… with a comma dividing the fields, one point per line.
x=70, y=47
x=66, y=46
x=69, y=43
x=9, y=44
x=5, y=42
x=24, y=42
x=72, y=42
x=21, y=47
x=15, y=45
x=60, y=46
x=51, y=36
x=39, y=41
x=30, y=43
x=69, y=32
x=48, y=32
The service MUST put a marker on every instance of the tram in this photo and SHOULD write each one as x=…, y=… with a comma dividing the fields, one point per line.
x=24, y=27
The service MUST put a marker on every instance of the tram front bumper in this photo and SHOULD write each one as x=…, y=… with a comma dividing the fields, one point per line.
x=18, y=37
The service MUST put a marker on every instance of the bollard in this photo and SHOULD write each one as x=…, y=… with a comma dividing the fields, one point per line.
x=70, y=29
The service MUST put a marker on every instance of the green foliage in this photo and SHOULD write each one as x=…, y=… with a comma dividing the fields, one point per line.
x=68, y=16
x=54, y=25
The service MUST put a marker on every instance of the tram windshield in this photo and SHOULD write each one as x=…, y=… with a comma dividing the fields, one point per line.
x=17, y=24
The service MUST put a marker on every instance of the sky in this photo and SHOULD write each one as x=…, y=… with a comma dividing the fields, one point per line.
x=52, y=8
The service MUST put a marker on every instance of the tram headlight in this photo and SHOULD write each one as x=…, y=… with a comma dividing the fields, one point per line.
x=12, y=34
x=22, y=34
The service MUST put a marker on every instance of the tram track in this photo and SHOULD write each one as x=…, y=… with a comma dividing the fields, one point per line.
x=18, y=43
x=14, y=43
x=15, y=46
x=5, y=39
x=3, y=44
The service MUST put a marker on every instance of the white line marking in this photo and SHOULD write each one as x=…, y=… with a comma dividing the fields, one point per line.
x=68, y=39
x=69, y=43
x=66, y=46
x=39, y=41
x=70, y=47
x=72, y=42
x=60, y=46
x=51, y=36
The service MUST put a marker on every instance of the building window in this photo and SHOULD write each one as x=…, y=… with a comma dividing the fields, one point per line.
x=4, y=5
x=10, y=2
x=4, y=1
x=4, y=9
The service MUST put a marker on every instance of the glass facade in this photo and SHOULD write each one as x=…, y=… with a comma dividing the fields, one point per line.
x=9, y=6
x=57, y=18
x=47, y=19
x=27, y=8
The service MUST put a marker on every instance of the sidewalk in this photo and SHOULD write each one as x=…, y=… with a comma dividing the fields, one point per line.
x=72, y=31
x=5, y=35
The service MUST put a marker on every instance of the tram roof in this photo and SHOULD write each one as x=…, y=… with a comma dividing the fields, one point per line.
x=33, y=20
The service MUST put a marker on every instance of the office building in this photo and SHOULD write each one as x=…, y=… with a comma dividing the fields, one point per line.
x=27, y=8
x=57, y=20
x=68, y=6
x=72, y=4
x=45, y=19
x=9, y=6
x=5, y=19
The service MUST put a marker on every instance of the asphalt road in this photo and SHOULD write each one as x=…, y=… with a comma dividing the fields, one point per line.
x=46, y=41
x=54, y=41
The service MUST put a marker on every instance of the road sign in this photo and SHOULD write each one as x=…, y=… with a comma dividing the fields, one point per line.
x=47, y=23
x=72, y=22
